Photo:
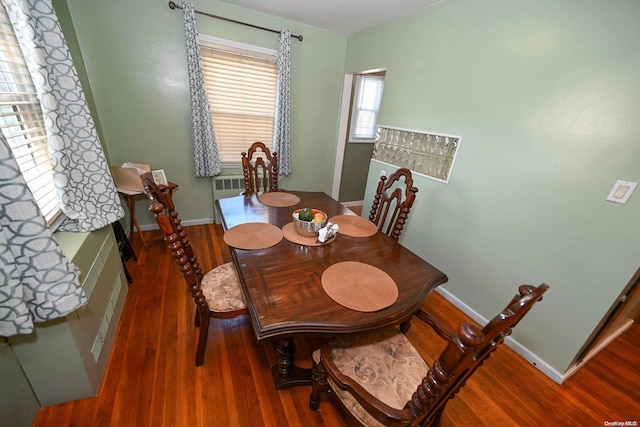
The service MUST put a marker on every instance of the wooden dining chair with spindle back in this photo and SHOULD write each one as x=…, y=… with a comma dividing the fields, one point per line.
x=392, y=202
x=217, y=294
x=380, y=379
x=260, y=169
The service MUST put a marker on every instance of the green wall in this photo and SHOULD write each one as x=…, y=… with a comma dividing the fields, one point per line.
x=354, y=171
x=135, y=58
x=546, y=97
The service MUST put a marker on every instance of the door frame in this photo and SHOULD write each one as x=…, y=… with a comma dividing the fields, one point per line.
x=343, y=128
x=619, y=317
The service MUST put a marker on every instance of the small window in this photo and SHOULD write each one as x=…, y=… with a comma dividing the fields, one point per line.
x=366, y=104
x=240, y=81
x=22, y=122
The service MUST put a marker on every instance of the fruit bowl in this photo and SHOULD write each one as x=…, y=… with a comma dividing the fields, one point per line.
x=309, y=228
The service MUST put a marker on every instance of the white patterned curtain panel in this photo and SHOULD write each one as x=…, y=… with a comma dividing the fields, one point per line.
x=206, y=157
x=38, y=283
x=282, y=125
x=81, y=174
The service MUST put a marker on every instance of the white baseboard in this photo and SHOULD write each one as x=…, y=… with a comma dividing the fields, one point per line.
x=149, y=227
x=353, y=203
x=521, y=350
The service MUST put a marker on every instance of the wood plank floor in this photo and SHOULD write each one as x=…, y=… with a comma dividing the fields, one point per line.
x=152, y=379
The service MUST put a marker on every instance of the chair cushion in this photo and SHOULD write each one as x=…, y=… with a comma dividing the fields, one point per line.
x=383, y=362
x=221, y=289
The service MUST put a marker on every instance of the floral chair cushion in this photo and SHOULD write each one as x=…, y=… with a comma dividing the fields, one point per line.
x=221, y=289
x=383, y=362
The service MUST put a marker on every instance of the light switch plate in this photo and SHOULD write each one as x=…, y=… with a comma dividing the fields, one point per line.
x=621, y=191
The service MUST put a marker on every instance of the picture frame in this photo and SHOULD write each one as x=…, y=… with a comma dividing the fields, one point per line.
x=159, y=177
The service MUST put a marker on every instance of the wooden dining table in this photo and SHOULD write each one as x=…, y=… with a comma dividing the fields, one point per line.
x=282, y=284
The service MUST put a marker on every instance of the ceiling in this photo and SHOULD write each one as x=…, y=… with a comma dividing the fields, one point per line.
x=339, y=16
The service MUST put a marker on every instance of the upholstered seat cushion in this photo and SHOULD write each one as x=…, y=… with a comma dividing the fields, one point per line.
x=221, y=288
x=383, y=362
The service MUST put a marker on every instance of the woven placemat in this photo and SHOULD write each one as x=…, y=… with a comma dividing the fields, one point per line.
x=278, y=199
x=354, y=225
x=253, y=235
x=359, y=286
x=290, y=233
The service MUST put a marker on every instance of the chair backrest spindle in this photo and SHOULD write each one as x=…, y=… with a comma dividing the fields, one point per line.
x=260, y=169
x=466, y=352
x=392, y=204
x=175, y=237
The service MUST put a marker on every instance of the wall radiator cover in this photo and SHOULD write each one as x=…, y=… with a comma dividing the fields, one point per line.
x=228, y=184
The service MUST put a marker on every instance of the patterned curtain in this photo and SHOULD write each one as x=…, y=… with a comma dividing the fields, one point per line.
x=38, y=282
x=205, y=148
x=81, y=173
x=282, y=126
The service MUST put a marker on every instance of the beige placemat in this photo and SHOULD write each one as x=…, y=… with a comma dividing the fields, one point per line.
x=290, y=233
x=253, y=235
x=354, y=225
x=278, y=199
x=359, y=286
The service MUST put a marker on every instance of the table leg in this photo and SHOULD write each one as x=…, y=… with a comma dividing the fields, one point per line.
x=286, y=374
x=131, y=204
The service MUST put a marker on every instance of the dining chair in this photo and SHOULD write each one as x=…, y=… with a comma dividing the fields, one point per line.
x=217, y=294
x=392, y=202
x=260, y=169
x=380, y=379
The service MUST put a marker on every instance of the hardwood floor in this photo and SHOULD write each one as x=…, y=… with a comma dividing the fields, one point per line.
x=152, y=379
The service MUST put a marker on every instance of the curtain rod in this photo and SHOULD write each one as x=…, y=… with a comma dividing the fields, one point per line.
x=172, y=5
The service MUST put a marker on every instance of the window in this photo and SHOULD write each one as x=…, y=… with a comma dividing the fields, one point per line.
x=22, y=122
x=240, y=81
x=366, y=104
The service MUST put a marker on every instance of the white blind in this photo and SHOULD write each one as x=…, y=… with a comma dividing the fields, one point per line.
x=22, y=123
x=366, y=104
x=241, y=88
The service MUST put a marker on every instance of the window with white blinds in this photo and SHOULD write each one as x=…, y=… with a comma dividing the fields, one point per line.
x=366, y=105
x=240, y=81
x=22, y=123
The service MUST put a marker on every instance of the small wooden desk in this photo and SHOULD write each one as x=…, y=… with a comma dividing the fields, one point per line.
x=130, y=199
x=283, y=289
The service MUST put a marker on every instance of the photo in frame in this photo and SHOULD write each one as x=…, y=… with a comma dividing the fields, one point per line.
x=159, y=177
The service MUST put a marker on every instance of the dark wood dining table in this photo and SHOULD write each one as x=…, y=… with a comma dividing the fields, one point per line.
x=283, y=289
